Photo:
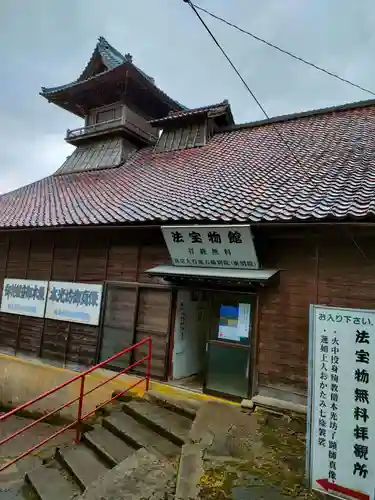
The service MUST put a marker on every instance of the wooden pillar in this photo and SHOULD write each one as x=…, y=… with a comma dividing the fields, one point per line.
x=74, y=279
x=24, y=277
x=44, y=319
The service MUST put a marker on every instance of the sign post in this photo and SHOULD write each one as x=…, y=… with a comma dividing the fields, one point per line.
x=341, y=427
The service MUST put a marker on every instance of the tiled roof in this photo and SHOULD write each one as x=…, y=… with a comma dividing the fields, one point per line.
x=112, y=59
x=242, y=175
x=214, y=109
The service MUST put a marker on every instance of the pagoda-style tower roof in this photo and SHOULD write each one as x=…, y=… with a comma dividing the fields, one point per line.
x=108, y=76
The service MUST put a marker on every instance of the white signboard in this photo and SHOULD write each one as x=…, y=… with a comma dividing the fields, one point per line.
x=211, y=246
x=25, y=297
x=341, y=458
x=75, y=302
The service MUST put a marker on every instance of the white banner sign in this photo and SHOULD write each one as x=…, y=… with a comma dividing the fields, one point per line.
x=341, y=456
x=25, y=297
x=75, y=302
x=211, y=246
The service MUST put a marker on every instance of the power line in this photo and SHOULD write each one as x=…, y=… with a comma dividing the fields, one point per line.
x=283, y=51
x=242, y=80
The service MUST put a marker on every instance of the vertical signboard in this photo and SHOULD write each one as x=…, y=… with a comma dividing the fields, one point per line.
x=341, y=452
x=227, y=247
x=75, y=302
x=24, y=297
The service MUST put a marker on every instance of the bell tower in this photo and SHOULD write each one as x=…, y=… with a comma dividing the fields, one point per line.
x=117, y=102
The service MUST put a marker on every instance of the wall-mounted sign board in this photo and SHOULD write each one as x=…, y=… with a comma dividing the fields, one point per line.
x=24, y=297
x=341, y=455
x=229, y=247
x=75, y=302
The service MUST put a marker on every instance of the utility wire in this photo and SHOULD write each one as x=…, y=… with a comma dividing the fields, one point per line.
x=283, y=51
x=242, y=80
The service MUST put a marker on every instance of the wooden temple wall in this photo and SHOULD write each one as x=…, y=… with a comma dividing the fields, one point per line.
x=116, y=257
x=330, y=267
x=326, y=267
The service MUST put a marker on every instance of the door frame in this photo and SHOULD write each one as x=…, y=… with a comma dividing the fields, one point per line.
x=251, y=346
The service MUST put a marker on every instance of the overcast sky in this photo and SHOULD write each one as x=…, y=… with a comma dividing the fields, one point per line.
x=48, y=42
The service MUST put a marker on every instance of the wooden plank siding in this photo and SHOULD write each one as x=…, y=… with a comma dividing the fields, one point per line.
x=335, y=270
x=89, y=256
x=327, y=267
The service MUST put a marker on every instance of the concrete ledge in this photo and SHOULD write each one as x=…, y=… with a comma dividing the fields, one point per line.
x=23, y=379
x=167, y=389
x=279, y=405
x=17, y=373
x=184, y=406
x=190, y=472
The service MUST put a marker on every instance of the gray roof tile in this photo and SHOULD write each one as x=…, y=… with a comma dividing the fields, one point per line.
x=246, y=174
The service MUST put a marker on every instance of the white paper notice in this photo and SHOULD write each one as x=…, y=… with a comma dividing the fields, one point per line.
x=244, y=314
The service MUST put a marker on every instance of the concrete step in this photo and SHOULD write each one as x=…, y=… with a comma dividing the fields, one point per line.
x=163, y=421
x=49, y=484
x=143, y=475
x=82, y=464
x=139, y=436
x=109, y=447
x=187, y=407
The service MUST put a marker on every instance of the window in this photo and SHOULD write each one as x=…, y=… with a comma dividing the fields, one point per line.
x=105, y=115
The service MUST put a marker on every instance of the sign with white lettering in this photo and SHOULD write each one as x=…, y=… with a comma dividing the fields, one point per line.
x=25, y=297
x=341, y=459
x=211, y=246
x=75, y=302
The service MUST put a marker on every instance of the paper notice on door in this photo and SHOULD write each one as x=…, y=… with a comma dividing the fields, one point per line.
x=228, y=323
x=234, y=322
x=244, y=315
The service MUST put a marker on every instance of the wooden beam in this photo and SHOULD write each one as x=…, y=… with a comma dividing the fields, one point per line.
x=24, y=277
x=44, y=319
x=104, y=303
x=69, y=323
x=254, y=349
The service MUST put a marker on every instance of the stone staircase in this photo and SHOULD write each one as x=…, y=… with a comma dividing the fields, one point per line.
x=158, y=428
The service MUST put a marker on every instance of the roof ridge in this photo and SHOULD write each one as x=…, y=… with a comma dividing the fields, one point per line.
x=301, y=114
x=221, y=103
x=104, y=46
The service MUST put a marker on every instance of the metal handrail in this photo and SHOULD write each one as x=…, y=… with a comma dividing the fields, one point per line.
x=80, y=399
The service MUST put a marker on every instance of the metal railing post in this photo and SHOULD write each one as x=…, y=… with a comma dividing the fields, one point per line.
x=80, y=406
x=148, y=372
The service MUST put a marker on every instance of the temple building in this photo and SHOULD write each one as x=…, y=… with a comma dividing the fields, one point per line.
x=211, y=237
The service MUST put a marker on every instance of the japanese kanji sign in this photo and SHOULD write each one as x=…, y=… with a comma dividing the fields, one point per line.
x=342, y=401
x=211, y=246
x=25, y=297
x=75, y=302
